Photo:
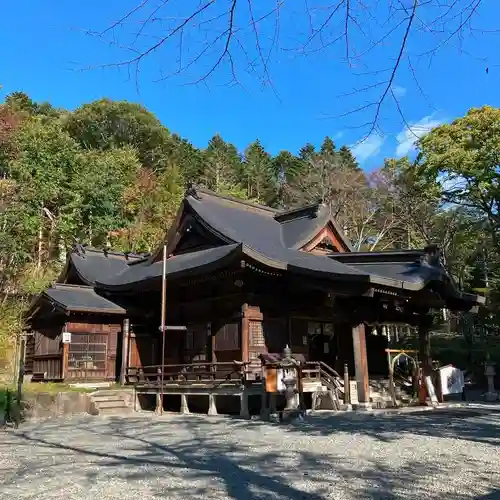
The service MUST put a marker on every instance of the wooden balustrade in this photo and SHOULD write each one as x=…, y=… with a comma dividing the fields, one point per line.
x=188, y=374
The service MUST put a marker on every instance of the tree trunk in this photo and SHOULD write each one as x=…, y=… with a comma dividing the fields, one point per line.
x=40, y=245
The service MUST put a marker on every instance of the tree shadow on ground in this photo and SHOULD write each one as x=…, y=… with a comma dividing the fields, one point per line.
x=480, y=426
x=232, y=458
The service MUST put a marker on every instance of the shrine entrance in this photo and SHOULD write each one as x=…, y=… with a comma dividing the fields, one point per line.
x=323, y=343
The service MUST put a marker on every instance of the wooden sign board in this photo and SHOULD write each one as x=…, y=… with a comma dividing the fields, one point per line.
x=271, y=380
x=451, y=379
x=66, y=337
x=431, y=391
x=353, y=392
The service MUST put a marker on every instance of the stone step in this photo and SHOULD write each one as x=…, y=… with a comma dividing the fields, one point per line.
x=107, y=398
x=107, y=394
x=115, y=411
x=112, y=403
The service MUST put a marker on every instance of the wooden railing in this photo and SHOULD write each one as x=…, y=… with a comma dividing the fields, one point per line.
x=48, y=367
x=213, y=374
x=318, y=371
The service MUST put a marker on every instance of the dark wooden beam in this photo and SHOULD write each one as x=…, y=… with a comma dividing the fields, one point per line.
x=361, y=363
x=245, y=334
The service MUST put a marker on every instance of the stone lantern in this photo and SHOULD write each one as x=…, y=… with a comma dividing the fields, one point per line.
x=290, y=370
x=489, y=371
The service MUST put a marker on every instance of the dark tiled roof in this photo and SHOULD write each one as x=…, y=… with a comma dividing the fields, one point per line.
x=91, y=264
x=81, y=299
x=185, y=264
x=263, y=229
x=271, y=238
x=410, y=268
x=267, y=236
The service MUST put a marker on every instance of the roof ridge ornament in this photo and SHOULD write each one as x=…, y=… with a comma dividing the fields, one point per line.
x=432, y=255
x=310, y=210
x=192, y=190
x=80, y=249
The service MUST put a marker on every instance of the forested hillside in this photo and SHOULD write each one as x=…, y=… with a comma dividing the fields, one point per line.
x=110, y=174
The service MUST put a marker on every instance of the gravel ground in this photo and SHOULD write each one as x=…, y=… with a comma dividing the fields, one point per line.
x=449, y=454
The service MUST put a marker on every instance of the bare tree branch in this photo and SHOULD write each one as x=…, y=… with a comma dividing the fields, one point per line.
x=376, y=38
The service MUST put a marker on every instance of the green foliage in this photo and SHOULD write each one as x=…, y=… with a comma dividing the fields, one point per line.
x=222, y=163
x=347, y=158
x=11, y=327
x=34, y=280
x=328, y=147
x=257, y=174
x=107, y=124
x=464, y=155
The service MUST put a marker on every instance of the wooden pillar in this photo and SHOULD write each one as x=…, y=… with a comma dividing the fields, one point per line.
x=361, y=364
x=424, y=337
x=211, y=335
x=245, y=336
x=125, y=349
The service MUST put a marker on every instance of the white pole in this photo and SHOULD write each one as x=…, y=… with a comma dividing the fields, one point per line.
x=163, y=319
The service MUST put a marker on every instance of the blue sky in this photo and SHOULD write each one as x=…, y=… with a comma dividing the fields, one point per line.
x=47, y=53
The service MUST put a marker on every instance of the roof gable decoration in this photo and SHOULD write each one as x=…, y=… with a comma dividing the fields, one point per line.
x=309, y=225
x=327, y=240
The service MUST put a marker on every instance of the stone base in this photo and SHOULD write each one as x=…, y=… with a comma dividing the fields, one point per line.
x=491, y=396
x=273, y=417
x=344, y=407
x=363, y=407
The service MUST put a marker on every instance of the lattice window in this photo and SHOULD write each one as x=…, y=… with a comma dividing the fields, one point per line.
x=256, y=334
x=87, y=351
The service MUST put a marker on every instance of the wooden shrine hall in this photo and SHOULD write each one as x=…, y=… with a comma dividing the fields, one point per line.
x=243, y=280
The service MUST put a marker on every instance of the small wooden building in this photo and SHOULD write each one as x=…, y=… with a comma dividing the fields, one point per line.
x=244, y=280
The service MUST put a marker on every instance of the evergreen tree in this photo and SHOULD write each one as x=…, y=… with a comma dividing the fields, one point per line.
x=20, y=101
x=222, y=164
x=189, y=158
x=257, y=173
x=347, y=158
x=328, y=147
x=307, y=152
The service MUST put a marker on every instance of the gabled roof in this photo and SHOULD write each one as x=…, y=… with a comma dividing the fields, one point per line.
x=261, y=228
x=300, y=226
x=78, y=298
